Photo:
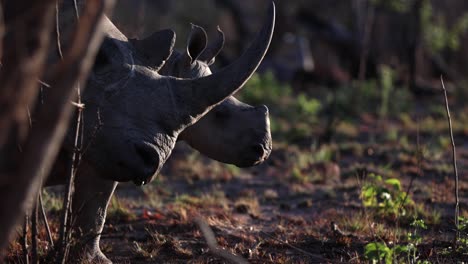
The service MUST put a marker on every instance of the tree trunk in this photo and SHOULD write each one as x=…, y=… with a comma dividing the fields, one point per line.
x=28, y=147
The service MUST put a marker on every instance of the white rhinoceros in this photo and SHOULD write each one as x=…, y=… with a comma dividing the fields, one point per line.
x=134, y=116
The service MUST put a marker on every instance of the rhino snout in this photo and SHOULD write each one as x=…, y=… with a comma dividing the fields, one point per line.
x=149, y=157
x=260, y=150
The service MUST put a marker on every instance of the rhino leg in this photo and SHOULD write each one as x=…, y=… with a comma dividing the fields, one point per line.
x=90, y=201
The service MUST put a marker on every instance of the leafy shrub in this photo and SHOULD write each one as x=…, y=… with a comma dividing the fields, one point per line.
x=385, y=196
x=463, y=229
x=379, y=252
x=437, y=35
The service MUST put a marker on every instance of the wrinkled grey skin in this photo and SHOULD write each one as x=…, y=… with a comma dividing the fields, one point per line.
x=241, y=129
x=133, y=118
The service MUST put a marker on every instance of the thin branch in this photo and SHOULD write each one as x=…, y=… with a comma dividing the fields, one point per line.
x=454, y=163
x=213, y=245
x=65, y=228
x=43, y=83
x=34, y=258
x=75, y=6
x=88, y=23
x=24, y=240
x=62, y=242
x=57, y=29
x=65, y=231
x=2, y=32
x=46, y=222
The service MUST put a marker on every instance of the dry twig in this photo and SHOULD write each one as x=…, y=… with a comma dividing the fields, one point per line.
x=44, y=218
x=57, y=29
x=454, y=162
x=213, y=245
x=24, y=240
x=85, y=40
x=34, y=255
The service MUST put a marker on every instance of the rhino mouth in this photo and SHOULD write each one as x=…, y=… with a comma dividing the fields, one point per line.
x=258, y=154
x=139, y=182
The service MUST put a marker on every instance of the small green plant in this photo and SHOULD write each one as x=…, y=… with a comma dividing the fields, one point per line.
x=378, y=252
x=414, y=239
x=385, y=196
x=462, y=240
x=463, y=229
x=463, y=224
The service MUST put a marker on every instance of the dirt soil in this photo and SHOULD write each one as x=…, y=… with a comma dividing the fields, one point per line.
x=268, y=214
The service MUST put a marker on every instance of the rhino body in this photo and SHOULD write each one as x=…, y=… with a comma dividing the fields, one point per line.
x=134, y=116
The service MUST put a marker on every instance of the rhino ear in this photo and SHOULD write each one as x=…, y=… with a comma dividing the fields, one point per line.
x=209, y=54
x=156, y=48
x=196, y=43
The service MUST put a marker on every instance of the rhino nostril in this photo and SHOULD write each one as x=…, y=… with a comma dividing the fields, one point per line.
x=147, y=153
x=258, y=150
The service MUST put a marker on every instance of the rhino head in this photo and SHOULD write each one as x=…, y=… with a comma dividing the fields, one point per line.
x=233, y=132
x=134, y=115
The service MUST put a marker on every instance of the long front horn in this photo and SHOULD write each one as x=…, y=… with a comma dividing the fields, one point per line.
x=204, y=93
